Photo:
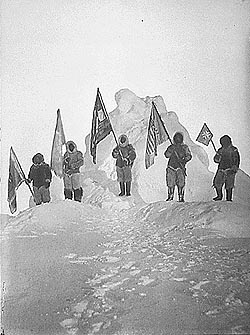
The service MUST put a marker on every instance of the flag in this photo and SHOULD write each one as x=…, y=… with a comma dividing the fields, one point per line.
x=205, y=135
x=157, y=134
x=16, y=177
x=101, y=126
x=59, y=140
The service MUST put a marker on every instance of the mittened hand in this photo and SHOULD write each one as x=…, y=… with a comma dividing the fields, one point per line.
x=183, y=160
x=171, y=150
x=47, y=183
x=217, y=157
x=234, y=168
x=126, y=161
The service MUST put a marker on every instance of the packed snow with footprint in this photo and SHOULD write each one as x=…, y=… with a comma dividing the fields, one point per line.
x=130, y=265
x=78, y=269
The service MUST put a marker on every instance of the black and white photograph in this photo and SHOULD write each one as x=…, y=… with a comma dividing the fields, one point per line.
x=125, y=167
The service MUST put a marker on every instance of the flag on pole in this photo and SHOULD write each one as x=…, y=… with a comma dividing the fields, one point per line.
x=205, y=135
x=157, y=134
x=101, y=126
x=16, y=177
x=59, y=140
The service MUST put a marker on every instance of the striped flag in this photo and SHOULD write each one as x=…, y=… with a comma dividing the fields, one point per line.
x=157, y=134
x=205, y=135
x=59, y=140
x=101, y=126
x=16, y=177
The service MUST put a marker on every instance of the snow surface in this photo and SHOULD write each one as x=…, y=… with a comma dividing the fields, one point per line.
x=136, y=254
x=148, y=242
x=227, y=219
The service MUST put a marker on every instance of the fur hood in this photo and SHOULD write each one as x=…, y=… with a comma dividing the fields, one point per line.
x=225, y=141
x=178, y=138
x=124, y=144
x=38, y=158
x=67, y=146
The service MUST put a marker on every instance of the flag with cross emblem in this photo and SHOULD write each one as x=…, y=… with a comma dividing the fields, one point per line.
x=205, y=135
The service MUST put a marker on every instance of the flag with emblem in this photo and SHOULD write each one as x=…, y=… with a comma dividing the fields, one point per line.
x=56, y=162
x=101, y=126
x=157, y=134
x=205, y=135
x=16, y=177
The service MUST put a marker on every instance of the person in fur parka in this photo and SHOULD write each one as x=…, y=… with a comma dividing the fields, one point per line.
x=72, y=161
x=40, y=175
x=228, y=159
x=125, y=155
x=178, y=154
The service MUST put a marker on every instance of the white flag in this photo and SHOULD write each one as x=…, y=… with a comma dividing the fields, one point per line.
x=59, y=140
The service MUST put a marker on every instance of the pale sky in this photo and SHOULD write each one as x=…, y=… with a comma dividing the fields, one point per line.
x=194, y=53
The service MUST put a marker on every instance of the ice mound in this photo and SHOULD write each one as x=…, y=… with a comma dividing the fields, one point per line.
x=131, y=117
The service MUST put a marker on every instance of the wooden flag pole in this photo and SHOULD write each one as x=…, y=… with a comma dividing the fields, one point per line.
x=106, y=113
x=27, y=183
x=213, y=145
x=162, y=123
x=25, y=180
x=176, y=154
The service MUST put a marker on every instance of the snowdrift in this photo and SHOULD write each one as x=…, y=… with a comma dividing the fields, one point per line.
x=51, y=218
x=131, y=117
x=226, y=219
x=4, y=218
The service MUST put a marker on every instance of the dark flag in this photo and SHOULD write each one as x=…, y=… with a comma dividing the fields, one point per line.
x=16, y=177
x=205, y=135
x=59, y=140
x=157, y=134
x=101, y=126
